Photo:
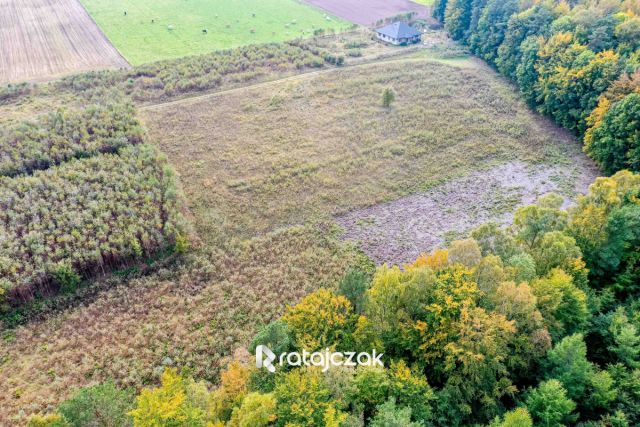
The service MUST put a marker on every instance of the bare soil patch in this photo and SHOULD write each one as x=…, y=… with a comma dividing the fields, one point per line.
x=41, y=39
x=367, y=12
x=399, y=231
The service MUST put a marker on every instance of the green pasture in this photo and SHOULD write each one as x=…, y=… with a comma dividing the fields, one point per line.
x=145, y=31
x=424, y=2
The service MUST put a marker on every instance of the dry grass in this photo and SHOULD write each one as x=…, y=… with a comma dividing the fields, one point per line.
x=258, y=159
x=42, y=39
x=194, y=315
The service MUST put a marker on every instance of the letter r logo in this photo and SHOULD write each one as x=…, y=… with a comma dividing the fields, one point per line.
x=265, y=357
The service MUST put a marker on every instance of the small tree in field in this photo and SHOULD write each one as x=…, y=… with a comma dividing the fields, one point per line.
x=388, y=97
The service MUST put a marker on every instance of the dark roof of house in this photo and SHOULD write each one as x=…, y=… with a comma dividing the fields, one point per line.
x=398, y=30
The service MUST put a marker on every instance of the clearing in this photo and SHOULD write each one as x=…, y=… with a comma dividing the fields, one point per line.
x=175, y=28
x=310, y=147
x=368, y=12
x=42, y=39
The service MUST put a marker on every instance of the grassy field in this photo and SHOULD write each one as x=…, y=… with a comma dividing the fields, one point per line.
x=41, y=39
x=265, y=169
x=145, y=32
x=304, y=149
x=424, y=2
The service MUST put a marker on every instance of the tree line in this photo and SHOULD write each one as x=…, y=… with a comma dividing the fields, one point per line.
x=574, y=61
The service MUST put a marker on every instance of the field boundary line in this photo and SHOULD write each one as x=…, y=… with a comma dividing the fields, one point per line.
x=103, y=34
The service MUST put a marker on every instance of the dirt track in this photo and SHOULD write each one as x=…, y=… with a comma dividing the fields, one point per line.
x=367, y=12
x=41, y=39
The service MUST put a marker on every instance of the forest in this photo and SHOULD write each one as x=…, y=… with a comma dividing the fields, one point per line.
x=576, y=62
x=80, y=193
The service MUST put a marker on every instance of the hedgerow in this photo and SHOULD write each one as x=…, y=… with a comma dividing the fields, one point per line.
x=83, y=217
x=164, y=79
x=63, y=135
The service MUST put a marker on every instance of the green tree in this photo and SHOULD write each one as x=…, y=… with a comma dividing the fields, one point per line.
x=276, y=335
x=353, y=286
x=303, y=398
x=439, y=8
x=388, y=97
x=531, y=340
x=626, y=340
x=476, y=363
x=532, y=222
x=458, y=18
x=549, y=405
x=493, y=240
x=604, y=225
x=555, y=250
x=526, y=73
x=321, y=320
x=372, y=388
x=411, y=389
x=522, y=268
x=492, y=25
x=99, y=405
x=615, y=142
x=390, y=415
x=257, y=410
x=465, y=252
x=534, y=21
x=519, y=417
x=563, y=306
x=572, y=77
x=567, y=362
x=175, y=403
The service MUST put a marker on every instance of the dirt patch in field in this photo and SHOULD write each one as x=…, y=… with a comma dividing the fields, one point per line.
x=398, y=232
x=367, y=12
x=42, y=39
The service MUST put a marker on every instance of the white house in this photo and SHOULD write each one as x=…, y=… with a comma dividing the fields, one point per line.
x=399, y=33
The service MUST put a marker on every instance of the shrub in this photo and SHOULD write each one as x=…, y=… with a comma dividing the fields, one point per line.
x=66, y=277
x=63, y=135
x=100, y=405
x=387, y=98
x=52, y=420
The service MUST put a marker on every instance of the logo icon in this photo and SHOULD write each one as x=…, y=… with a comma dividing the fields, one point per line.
x=265, y=358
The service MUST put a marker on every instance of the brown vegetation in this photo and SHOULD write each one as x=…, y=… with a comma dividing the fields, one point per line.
x=309, y=148
x=368, y=12
x=41, y=39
